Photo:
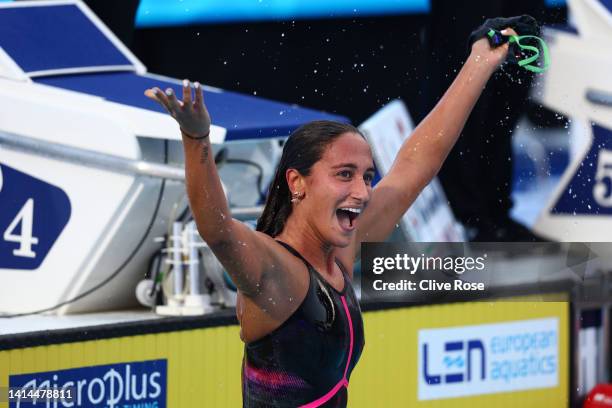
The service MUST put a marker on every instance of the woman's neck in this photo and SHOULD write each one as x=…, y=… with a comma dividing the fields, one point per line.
x=301, y=236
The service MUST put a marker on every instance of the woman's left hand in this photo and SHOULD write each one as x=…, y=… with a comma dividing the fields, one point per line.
x=483, y=52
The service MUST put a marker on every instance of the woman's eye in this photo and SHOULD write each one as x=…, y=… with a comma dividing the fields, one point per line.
x=368, y=178
x=345, y=174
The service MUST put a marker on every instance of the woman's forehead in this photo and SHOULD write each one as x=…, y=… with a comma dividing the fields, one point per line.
x=348, y=148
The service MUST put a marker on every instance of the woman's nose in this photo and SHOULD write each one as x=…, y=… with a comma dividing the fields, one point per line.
x=361, y=190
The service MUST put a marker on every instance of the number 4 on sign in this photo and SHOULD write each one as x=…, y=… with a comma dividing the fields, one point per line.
x=25, y=238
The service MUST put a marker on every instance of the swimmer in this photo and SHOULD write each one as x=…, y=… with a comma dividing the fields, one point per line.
x=299, y=316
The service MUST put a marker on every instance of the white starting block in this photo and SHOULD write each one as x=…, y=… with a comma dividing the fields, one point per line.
x=579, y=84
x=91, y=170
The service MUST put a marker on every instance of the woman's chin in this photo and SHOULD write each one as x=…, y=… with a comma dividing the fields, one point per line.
x=342, y=239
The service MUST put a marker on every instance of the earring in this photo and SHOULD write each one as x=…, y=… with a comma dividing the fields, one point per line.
x=296, y=197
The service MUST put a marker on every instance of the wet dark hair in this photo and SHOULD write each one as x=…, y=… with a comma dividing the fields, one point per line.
x=303, y=148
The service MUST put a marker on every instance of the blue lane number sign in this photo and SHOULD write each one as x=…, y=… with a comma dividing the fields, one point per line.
x=33, y=213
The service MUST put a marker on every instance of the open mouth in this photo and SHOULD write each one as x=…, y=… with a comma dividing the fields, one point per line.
x=346, y=216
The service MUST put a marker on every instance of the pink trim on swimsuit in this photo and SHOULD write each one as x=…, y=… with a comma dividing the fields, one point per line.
x=343, y=382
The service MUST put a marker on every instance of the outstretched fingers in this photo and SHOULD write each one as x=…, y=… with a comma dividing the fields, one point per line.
x=158, y=96
x=199, y=98
x=186, y=93
x=173, y=103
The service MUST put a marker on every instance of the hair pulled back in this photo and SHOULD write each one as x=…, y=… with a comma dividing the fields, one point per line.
x=303, y=148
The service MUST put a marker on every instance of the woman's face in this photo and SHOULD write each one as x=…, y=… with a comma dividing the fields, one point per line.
x=338, y=189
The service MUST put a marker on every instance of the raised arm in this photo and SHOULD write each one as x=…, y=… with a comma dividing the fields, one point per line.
x=243, y=252
x=422, y=155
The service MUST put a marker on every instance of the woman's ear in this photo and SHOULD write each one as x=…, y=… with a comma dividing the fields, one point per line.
x=295, y=181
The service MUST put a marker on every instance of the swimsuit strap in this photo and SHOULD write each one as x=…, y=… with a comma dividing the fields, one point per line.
x=345, y=273
x=296, y=253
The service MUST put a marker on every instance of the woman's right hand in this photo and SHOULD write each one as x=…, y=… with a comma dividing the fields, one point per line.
x=191, y=115
x=484, y=53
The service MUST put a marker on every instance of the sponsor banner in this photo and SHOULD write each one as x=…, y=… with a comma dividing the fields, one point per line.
x=439, y=272
x=488, y=358
x=204, y=371
x=125, y=385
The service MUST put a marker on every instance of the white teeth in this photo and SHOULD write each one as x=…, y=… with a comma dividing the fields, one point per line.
x=353, y=210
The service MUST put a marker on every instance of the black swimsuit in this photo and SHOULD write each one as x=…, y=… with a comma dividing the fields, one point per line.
x=307, y=360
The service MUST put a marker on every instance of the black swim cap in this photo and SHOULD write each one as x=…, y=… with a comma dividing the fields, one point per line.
x=523, y=25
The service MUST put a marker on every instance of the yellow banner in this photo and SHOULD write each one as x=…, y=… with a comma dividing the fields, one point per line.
x=203, y=365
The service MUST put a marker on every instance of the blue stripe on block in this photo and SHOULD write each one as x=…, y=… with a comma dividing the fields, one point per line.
x=55, y=37
x=244, y=116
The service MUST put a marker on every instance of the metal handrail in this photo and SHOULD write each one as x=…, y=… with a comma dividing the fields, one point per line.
x=104, y=161
x=247, y=213
x=599, y=97
x=90, y=158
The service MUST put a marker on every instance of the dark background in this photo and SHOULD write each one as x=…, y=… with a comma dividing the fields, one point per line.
x=350, y=66
x=354, y=66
